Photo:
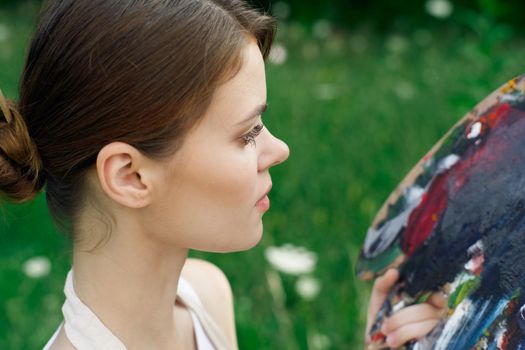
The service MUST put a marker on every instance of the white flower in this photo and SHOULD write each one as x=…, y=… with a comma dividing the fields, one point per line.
x=4, y=32
x=405, y=90
x=36, y=267
x=397, y=44
x=307, y=287
x=318, y=341
x=278, y=54
x=291, y=259
x=439, y=8
x=326, y=92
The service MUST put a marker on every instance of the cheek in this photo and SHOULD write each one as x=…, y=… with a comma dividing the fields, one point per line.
x=210, y=205
x=227, y=181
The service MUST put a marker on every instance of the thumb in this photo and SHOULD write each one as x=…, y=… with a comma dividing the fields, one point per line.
x=382, y=287
x=384, y=284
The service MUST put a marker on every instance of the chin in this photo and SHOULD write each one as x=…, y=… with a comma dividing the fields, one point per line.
x=256, y=237
x=249, y=240
x=252, y=243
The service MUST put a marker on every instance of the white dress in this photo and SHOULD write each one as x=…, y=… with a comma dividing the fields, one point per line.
x=87, y=332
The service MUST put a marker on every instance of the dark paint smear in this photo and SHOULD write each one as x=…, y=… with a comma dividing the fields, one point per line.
x=501, y=278
x=509, y=321
x=504, y=269
x=422, y=219
x=485, y=190
x=451, y=143
x=519, y=104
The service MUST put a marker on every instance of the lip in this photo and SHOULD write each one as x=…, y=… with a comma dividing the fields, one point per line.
x=266, y=192
x=264, y=202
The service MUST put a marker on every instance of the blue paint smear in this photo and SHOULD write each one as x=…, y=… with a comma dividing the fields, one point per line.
x=483, y=313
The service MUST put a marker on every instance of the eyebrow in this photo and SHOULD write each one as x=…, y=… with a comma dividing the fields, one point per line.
x=255, y=113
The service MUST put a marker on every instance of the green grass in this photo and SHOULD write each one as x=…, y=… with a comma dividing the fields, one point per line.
x=357, y=109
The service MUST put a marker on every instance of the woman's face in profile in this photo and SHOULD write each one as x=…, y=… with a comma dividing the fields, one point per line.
x=212, y=196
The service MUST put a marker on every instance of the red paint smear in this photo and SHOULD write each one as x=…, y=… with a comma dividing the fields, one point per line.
x=485, y=158
x=491, y=120
x=427, y=156
x=494, y=117
x=512, y=327
x=423, y=219
x=377, y=337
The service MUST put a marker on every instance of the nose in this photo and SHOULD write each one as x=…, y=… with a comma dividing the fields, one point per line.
x=273, y=151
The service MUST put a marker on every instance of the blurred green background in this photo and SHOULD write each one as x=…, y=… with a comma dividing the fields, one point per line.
x=360, y=90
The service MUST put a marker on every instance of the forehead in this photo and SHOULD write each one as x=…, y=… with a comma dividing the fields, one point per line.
x=234, y=99
x=231, y=103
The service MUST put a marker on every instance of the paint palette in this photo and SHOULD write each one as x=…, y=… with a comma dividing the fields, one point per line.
x=457, y=223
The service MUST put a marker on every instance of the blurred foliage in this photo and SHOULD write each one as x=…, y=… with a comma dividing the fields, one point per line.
x=358, y=107
x=386, y=14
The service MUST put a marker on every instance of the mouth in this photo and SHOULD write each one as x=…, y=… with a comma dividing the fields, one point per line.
x=266, y=192
x=264, y=202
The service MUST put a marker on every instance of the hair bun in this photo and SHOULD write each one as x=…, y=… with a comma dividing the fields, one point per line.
x=20, y=163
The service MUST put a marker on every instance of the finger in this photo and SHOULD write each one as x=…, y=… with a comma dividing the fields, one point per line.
x=410, y=332
x=411, y=314
x=438, y=300
x=382, y=286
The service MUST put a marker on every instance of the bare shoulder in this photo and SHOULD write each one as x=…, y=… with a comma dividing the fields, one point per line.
x=207, y=279
x=214, y=290
x=61, y=342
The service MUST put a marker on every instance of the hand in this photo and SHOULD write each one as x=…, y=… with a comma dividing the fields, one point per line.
x=410, y=323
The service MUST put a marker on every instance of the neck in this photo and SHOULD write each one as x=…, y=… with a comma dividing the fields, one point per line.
x=130, y=283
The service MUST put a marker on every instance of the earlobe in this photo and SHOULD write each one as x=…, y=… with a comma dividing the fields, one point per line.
x=122, y=175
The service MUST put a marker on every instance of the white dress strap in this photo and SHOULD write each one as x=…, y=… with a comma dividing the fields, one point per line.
x=83, y=328
x=184, y=288
x=208, y=334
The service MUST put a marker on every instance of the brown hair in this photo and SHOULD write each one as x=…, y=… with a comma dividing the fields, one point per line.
x=138, y=71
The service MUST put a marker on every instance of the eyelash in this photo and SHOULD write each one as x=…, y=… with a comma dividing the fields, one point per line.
x=252, y=134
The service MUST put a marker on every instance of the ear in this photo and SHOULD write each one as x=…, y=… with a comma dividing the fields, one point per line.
x=123, y=175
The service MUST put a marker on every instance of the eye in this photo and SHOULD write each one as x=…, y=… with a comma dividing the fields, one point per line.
x=252, y=134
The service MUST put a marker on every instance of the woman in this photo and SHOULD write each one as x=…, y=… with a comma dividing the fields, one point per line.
x=143, y=120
